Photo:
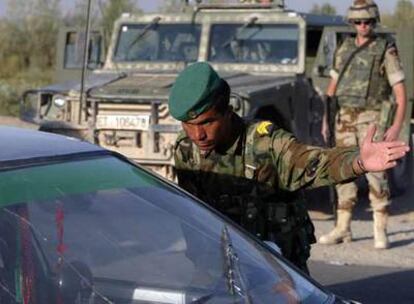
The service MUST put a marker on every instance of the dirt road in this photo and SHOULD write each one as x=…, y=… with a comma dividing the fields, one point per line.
x=361, y=250
x=13, y=121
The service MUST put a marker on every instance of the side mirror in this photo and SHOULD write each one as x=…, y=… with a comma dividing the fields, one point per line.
x=74, y=282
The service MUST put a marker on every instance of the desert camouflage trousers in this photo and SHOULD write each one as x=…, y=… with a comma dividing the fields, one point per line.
x=351, y=128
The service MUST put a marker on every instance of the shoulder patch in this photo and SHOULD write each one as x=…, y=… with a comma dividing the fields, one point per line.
x=265, y=128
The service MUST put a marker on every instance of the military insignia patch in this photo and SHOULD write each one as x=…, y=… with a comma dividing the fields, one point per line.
x=192, y=114
x=265, y=128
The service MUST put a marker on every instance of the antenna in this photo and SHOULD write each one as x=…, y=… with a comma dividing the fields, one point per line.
x=85, y=62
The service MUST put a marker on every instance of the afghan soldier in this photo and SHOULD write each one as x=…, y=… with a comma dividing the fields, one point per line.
x=366, y=72
x=245, y=169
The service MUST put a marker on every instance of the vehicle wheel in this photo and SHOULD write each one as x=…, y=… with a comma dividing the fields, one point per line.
x=401, y=177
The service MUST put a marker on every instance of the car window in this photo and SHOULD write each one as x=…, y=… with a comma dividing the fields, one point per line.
x=256, y=43
x=106, y=229
x=158, y=42
x=74, y=49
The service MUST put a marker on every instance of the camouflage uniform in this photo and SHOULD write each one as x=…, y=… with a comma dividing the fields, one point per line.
x=366, y=84
x=250, y=182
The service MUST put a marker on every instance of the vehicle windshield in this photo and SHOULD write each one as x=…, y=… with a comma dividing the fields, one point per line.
x=158, y=42
x=104, y=231
x=254, y=43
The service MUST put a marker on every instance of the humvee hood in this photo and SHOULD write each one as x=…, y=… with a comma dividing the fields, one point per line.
x=250, y=84
x=118, y=86
x=159, y=85
x=136, y=86
x=92, y=81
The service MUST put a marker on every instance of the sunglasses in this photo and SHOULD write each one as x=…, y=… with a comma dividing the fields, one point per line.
x=364, y=22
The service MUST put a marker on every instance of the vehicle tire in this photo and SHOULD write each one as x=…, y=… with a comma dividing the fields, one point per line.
x=400, y=178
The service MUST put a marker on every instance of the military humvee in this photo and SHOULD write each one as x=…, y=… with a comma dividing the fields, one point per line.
x=267, y=53
x=263, y=50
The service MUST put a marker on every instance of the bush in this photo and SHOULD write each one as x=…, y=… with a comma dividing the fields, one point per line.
x=12, y=88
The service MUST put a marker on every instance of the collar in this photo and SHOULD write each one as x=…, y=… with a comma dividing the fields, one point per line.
x=373, y=39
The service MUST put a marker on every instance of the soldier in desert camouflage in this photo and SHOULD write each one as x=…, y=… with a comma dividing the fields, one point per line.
x=247, y=170
x=366, y=72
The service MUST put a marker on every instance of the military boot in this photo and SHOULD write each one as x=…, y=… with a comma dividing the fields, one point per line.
x=380, y=230
x=342, y=230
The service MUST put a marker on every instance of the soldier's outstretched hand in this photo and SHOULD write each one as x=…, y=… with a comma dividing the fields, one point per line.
x=380, y=156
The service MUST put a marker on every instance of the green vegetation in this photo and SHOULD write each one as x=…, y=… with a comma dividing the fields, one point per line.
x=324, y=9
x=27, y=50
x=402, y=16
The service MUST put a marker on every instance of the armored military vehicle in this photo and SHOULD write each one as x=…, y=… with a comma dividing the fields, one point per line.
x=263, y=50
x=266, y=52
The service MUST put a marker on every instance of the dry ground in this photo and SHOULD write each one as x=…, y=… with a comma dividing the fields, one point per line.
x=361, y=250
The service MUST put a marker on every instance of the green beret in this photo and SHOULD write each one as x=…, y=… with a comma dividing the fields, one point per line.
x=192, y=92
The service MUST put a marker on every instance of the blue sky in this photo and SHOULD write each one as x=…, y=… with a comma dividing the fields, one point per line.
x=302, y=5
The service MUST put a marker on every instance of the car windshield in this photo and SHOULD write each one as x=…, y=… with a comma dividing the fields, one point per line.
x=254, y=43
x=104, y=231
x=158, y=42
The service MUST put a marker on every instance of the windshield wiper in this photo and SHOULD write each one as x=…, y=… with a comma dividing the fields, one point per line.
x=232, y=272
x=238, y=31
x=145, y=30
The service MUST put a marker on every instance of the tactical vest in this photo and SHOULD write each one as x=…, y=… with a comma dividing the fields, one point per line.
x=254, y=199
x=364, y=83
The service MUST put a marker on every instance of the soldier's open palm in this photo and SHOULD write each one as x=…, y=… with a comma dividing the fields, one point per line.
x=380, y=156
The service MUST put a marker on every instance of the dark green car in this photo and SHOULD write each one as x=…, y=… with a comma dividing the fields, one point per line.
x=80, y=224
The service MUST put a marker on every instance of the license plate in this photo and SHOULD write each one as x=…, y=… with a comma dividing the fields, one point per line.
x=123, y=122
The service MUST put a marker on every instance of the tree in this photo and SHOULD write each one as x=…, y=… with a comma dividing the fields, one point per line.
x=324, y=9
x=32, y=27
x=111, y=10
x=402, y=16
x=28, y=36
x=77, y=17
x=171, y=6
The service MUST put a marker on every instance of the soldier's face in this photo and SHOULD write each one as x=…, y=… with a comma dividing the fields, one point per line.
x=364, y=27
x=209, y=130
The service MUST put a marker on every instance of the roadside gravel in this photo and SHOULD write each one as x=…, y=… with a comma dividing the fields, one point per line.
x=361, y=250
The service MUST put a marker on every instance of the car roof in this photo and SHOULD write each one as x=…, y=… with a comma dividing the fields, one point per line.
x=19, y=145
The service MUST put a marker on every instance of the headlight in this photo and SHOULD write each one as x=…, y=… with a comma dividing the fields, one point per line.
x=59, y=101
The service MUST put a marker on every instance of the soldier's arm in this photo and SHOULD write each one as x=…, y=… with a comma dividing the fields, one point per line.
x=396, y=77
x=300, y=165
x=334, y=73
